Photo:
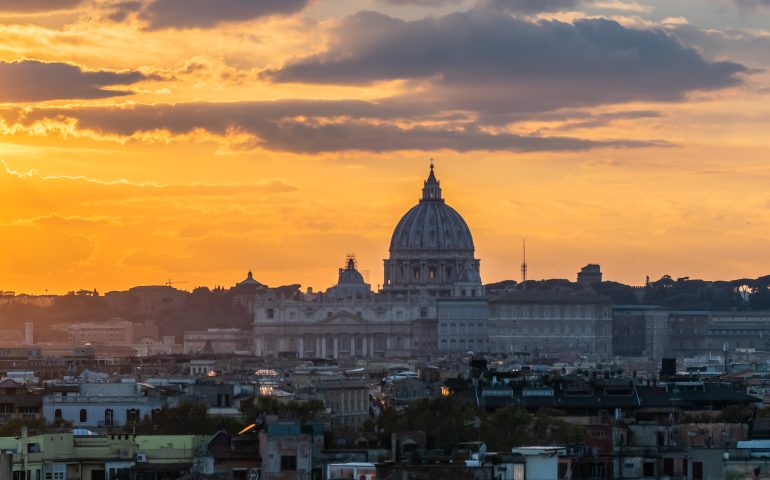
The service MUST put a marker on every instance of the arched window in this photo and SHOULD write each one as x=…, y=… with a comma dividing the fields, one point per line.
x=57, y=414
x=83, y=415
x=108, y=417
x=132, y=415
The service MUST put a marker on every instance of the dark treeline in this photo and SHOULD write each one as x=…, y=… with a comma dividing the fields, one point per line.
x=680, y=294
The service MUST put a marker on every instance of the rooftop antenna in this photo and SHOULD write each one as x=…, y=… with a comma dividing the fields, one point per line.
x=524, y=261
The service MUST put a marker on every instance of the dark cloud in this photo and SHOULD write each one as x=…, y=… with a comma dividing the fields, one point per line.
x=119, y=12
x=31, y=6
x=159, y=14
x=482, y=61
x=32, y=81
x=529, y=7
x=422, y=3
x=310, y=126
x=752, y=3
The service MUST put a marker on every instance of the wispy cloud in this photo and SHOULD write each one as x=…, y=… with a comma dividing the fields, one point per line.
x=293, y=126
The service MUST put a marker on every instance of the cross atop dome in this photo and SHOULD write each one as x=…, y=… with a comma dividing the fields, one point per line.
x=431, y=190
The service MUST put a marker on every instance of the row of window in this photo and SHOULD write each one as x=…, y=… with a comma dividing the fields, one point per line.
x=271, y=314
x=345, y=343
x=132, y=416
x=447, y=328
x=548, y=329
x=548, y=311
x=461, y=344
x=504, y=347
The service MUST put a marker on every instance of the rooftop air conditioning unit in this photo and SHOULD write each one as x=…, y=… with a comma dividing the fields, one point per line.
x=141, y=458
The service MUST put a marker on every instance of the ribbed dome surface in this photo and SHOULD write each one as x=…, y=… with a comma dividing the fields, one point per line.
x=431, y=226
x=350, y=277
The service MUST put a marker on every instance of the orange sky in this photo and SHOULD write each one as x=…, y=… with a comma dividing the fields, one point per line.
x=148, y=141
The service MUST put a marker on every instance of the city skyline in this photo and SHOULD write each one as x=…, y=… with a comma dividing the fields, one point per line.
x=280, y=137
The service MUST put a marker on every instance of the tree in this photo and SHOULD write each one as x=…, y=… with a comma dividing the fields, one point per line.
x=256, y=407
x=12, y=428
x=186, y=419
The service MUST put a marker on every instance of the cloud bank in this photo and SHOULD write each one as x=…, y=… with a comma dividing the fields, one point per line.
x=34, y=81
x=482, y=61
x=299, y=126
x=32, y=6
x=160, y=14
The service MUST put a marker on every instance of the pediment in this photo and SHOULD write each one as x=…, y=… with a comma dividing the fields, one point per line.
x=343, y=318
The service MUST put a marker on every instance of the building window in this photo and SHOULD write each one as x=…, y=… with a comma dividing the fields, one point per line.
x=423, y=312
x=57, y=414
x=648, y=470
x=83, y=415
x=108, y=417
x=57, y=471
x=416, y=273
x=132, y=415
x=270, y=313
x=288, y=462
x=432, y=274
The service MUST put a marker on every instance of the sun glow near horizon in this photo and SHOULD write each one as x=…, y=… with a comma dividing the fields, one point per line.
x=281, y=140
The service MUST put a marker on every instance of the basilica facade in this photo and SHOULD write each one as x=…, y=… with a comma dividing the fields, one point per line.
x=431, y=271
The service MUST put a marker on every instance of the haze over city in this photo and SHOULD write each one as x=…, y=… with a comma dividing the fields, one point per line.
x=151, y=140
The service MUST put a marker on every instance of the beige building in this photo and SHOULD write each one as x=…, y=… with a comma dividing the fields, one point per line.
x=216, y=340
x=112, y=332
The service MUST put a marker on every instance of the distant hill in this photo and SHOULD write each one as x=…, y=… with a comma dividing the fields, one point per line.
x=174, y=313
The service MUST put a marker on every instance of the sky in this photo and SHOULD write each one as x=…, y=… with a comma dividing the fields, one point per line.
x=147, y=141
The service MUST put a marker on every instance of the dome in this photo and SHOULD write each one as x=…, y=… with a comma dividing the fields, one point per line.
x=249, y=281
x=350, y=283
x=349, y=275
x=431, y=224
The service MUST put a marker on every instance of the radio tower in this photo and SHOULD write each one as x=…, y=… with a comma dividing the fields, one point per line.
x=524, y=261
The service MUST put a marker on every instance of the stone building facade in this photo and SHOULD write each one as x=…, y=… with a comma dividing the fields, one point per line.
x=554, y=321
x=431, y=258
x=640, y=331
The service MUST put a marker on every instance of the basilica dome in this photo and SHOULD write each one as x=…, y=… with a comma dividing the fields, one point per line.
x=431, y=225
x=432, y=250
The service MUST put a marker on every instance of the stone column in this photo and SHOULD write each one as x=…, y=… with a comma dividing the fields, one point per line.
x=317, y=345
x=364, y=345
x=301, y=352
x=336, y=344
x=353, y=339
x=323, y=346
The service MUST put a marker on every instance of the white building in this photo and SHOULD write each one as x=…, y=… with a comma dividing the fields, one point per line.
x=94, y=405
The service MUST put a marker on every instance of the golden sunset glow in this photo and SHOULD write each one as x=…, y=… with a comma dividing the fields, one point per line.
x=145, y=141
